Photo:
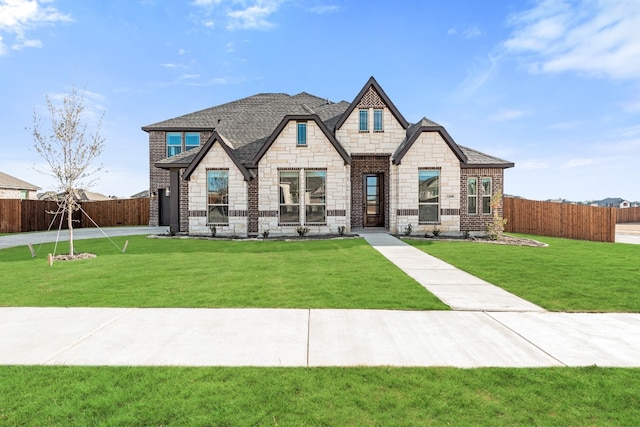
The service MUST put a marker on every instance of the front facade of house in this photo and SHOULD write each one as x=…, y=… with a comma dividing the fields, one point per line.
x=274, y=163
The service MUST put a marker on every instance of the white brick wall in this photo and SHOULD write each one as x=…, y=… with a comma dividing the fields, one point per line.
x=371, y=142
x=217, y=158
x=319, y=153
x=428, y=151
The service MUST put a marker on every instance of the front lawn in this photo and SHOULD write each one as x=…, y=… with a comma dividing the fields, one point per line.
x=346, y=273
x=568, y=275
x=127, y=396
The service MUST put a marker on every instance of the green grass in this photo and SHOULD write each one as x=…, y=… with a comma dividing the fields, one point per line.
x=345, y=273
x=125, y=396
x=568, y=275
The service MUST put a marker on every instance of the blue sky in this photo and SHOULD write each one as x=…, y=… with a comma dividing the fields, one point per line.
x=553, y=86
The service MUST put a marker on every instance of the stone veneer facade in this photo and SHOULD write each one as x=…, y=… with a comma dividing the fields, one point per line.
x=254, y=196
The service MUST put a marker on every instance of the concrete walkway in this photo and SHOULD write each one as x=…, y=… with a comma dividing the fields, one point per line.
x=457, y=289
x=494, y=328
x=302, y=337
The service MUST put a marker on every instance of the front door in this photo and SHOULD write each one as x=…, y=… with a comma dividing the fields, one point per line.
x=373, y=196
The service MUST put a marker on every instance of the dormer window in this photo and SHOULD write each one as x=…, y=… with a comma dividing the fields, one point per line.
x=364, y=121
x=191, y=141
x=175, y=141
x=377, y=120
x=302, y=134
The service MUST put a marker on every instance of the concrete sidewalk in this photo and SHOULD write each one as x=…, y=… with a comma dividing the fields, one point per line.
x=309, y=338
x=457, y=289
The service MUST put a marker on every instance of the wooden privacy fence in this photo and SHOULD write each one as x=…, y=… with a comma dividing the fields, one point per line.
x=626, y=215
x=36, y=215
x=560, y=220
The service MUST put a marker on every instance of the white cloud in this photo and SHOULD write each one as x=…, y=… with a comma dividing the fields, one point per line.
x=506, y=115
x=329, y=8
x=243, y=14
x=531, y=165
x=596, y=37
x=472, y=32
x=18, y=17
x=476, y=78
x=254, y=17
x=576, y=163
x=632, y=106
x=564, y=125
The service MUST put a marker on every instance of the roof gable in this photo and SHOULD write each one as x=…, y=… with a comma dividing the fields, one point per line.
x=313, y=117
x=366, y=93
x=426, y=125
x=215, y=137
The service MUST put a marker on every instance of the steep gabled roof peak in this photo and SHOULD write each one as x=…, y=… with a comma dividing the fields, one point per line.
x=373, y=93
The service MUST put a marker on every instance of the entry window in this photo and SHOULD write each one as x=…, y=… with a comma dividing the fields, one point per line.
x=364, y=120
x=377, y=121
x=315, y=197
x=472, y=195
x=191, y=141
x=428, y=195
x=289, y=197
x=218, y=196
x=486, y=195
x=174, y=144
x=302, y=134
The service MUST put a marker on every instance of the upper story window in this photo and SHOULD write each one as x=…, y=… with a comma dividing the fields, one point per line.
x=486, y=195
x=302, y=133
x=191, y=140
x=174, y=144
x=428, y=195
x=377, y=120
x=364, y=121
x=472, y=195
x=177, y=142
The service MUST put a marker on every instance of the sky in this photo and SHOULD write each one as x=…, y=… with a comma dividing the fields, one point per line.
x=553, y=86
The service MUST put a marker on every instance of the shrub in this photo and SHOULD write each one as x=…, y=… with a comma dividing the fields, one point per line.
x=408, y=229
x=495, y=228
x=302, y=231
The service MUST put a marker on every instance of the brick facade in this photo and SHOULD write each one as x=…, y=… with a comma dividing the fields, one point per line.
x=477, y=222
x=361, y=165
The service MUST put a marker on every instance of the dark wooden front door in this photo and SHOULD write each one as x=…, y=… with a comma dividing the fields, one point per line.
x=373, y=199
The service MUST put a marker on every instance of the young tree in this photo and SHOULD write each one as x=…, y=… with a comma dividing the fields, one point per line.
x=69, y=150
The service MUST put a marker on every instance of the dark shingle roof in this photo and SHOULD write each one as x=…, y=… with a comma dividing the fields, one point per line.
x=476, y=158
x=245, y=126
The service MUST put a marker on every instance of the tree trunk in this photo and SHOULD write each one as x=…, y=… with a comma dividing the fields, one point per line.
x=70, y=223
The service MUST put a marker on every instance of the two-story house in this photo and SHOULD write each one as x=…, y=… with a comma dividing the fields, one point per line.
x=275, y=162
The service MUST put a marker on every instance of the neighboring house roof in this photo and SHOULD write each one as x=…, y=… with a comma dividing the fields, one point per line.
x=141, y=195
x=247, y=127
x=11, y=182
x=609, y=202
x=79, y=195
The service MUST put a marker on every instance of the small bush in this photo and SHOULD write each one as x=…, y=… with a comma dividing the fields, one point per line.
x=436, y=231
x=341, y=230
x=495, y=228
x=265, y=234
x=213, y=229
x=408, y=229
x=302, y=231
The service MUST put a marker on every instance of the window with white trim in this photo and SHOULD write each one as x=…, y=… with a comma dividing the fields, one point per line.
x=174, y=144
x=302, y=133
x=289, y=196
x=472, y=195
x=428, y=195
x=377, y=120
x=191, y=141
x=218, y=196
x=315, y=197
x=486, y=195
x=364, y=120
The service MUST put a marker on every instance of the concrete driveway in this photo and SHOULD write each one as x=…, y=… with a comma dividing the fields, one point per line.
x=628, y=233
